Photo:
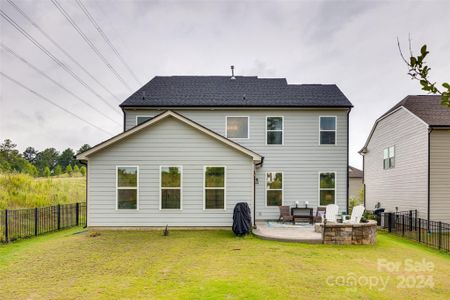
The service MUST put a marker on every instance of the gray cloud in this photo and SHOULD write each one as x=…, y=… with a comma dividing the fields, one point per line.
x=351, y=43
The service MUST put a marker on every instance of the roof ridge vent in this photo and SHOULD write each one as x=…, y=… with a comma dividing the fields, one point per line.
x=232, y=73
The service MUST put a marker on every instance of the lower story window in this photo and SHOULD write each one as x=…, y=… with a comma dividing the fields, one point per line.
x=327, y=188
x=274, y=188
x=214, y=187
x=171, y=187
x=127, y=187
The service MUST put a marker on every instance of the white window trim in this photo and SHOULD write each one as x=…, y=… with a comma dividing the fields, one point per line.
x=143, y=116
x=171, y=188
x=127, y=188
x=327, y=189
x=282, y=131
x=266, y=189
x=213, y=188
x=248, y=127
x=335, y=131
x=389, y=157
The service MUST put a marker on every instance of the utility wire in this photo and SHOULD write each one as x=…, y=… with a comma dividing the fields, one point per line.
x=105, y=37
x=62, y=49
x=54, y=58
x=89, y=42
x=53, y=103
x=15, y=54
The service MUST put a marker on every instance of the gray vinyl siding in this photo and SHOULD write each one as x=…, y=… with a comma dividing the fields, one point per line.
x=169, y=142
x=406, y=185
x=301, y=158
x=440, y=175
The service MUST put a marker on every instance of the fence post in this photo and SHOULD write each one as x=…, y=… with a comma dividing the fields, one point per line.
x=440, y=235
x=59, y=216
x=36, y=218
x=420, y=228
x=403, y=224
x=415, y=220
x=410, y=220
x=77, y=212
x=6, y=226
x=389, y=222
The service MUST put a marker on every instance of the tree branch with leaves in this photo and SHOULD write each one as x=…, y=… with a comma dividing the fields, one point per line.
x=418, y=70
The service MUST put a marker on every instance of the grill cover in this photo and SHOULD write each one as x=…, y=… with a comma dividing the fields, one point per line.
x=242, y=219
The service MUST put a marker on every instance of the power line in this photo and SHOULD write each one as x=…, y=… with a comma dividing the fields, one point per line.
x=105, y=37
x=54, y=58
x=15, y=54
x=89, y=42
x=62, y=49
x=53, y=103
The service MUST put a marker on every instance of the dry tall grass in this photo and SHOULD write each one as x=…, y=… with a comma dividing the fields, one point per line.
x=24, y=191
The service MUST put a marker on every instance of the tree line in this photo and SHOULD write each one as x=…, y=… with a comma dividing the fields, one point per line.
x=48, y=162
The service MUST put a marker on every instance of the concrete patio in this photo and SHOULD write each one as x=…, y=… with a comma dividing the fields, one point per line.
x=300, y=233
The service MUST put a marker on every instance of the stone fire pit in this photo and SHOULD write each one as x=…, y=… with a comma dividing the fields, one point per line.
x=348, y=234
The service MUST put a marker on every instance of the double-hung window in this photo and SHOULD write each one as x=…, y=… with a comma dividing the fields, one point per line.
x=237, y=127
x=389, y=158
x=142, y=119
x=274, y=188
x=327, y=130
x=274, y=130
x=127, y=184
x=171, y=178
x=214, y=185
x=327, y=188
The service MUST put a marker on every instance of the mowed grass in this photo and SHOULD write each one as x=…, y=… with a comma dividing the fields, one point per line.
x=24, y=191
x=207, y=265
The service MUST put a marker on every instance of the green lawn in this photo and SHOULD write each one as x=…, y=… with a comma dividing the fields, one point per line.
x=208, y=265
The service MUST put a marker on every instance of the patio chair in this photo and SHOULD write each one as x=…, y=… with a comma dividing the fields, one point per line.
x=357, y=213
x=331, y=213
x=320, y=214
x=285, y=214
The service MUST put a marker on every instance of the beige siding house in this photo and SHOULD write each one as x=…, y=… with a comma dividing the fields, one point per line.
x=406, y=159
x=355, y=182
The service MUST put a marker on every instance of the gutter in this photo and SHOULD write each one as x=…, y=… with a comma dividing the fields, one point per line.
x=430, y=129
x=87, y=174
x=348, y=154
x=124, y=118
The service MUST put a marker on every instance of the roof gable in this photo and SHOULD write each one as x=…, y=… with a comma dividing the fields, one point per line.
x=243, y=91
x=85, y=155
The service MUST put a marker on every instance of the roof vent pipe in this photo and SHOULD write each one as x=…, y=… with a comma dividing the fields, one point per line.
x=232, y=73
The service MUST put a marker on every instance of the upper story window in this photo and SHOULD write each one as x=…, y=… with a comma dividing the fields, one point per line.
x=170, y=187
x=127, y=187
x=214, y=185
x=328, y=130
x=389, y=158
x=274, y=130
x=237, y=127
x=142, y=119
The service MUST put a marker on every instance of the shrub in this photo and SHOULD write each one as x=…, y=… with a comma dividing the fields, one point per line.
x=69, y=170
x=46, y=172
x=83, y=170
x=58, y=170
x=76, y=169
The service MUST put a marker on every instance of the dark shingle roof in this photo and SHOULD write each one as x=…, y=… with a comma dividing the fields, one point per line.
x=426, y=107
x=222, y=91
x=354, y=172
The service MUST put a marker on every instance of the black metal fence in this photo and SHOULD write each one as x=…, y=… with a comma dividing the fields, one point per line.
x=407, y=224
x=27, y=222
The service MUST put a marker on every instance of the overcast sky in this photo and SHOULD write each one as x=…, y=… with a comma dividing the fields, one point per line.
x=350, y=43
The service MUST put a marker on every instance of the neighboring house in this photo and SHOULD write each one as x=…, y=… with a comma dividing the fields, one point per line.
x=407, y=159
x=355, y=182
x=194, y=146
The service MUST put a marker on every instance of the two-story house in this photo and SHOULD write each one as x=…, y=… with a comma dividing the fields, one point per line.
x=406, y=159
x=194, y=146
